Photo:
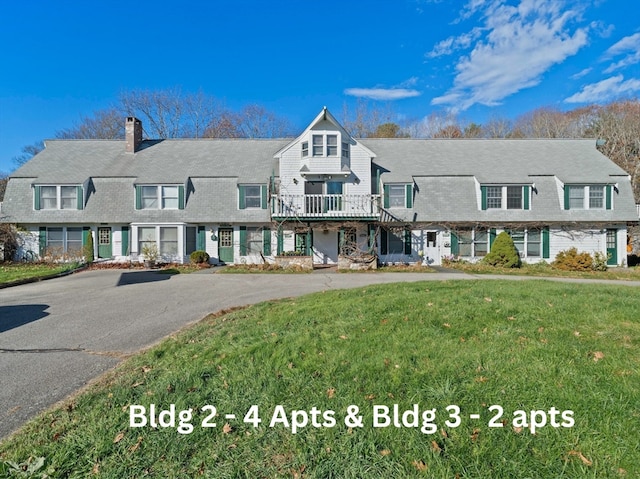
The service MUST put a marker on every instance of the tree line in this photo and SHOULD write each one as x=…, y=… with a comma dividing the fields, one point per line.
x=174, y=114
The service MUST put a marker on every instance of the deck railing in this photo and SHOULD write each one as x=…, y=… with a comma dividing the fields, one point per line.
x=326, y=206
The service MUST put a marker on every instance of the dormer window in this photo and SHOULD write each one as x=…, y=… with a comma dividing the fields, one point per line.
x=332, y=145
x=587, y=197
x=58, y=197
x=323, y=145
x=511, y=197
x=345, y=149
x=318, y=145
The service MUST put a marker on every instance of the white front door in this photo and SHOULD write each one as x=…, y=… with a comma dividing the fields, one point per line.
x=431, y=248
x=325, y=246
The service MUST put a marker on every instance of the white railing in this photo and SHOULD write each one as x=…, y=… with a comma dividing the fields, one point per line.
x=326, y=206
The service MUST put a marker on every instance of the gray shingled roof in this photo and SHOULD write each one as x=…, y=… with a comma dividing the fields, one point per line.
x=445, y=173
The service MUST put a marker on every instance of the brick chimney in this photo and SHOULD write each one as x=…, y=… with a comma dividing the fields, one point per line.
x=132, y=134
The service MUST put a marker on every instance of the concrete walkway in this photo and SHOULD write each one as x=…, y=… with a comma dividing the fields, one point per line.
x=57, y=335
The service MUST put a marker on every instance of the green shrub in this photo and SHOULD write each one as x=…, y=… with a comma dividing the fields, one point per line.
x=572, y=260
x=88, y=249
x=503, y=253
x=199, y=257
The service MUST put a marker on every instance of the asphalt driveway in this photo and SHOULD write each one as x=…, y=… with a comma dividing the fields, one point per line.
x=57, y=335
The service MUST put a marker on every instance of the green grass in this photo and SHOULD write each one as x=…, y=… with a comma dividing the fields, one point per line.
x=521, y=345
x=10, y=272
x=546, y=270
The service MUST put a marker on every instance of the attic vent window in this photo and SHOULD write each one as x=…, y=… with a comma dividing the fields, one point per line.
x=305, y=149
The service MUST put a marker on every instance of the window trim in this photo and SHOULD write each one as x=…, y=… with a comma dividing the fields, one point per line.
x=77, y=202
x=407, y=199
x=264, y=200
x=487, y=204
x=587, y=198
x=159, y=196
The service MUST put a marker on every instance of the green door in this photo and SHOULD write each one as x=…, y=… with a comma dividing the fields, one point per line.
x=612, y=247
x=104, y=242
x=225, y=245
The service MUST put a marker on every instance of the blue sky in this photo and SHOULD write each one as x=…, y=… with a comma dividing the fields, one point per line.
x=63, y=60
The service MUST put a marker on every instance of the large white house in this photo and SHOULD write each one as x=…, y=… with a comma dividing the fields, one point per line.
x=322, y=194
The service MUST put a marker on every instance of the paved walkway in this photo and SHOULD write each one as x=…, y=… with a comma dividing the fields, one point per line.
x=57, y=335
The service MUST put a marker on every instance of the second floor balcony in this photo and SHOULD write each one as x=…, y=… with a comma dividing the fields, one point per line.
x=326, y=206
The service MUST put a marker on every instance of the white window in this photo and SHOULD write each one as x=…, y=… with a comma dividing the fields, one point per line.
x=318, y=145
x=472, y=242
x=514, y=197
x=576, y=197
x=254, y=240
x=146, y=237
x=149, y=197
x=596, y=197
x=305, y=149
x=68, y=198
x=57, y=197
x=332, y=145
x=494, y=197
x=169, y=197
x=49, y=197
x=345, y=149
x=163, y=197
x=64, y=240
x=528, y=242
x=252, y=196
x=168, y=241
x=397, y=196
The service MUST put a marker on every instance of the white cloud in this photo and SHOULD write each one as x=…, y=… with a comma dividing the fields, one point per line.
x=581, y=73
x=382, y=93
x=605, y=90
x=451, y=44
x=629, y=48
x=521, y=43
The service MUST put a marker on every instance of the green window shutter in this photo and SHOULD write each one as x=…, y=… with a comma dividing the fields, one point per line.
x=280, y=240
x=384, y=241
x=243, y=241
x=263, y=190
x=36, y=198
x=483, y=193
x=42, y=240
x=545, y=243
x=80, y=197
x=566, y=197
x=608, y=196
x=86, y=231
x=266, y=242
x=242, y=204
x=492, y=237
x=526, y=192
x=180, y=197
x=407, y=241
x=454, y=244
x=138, y=197
x=409, y=196
x=201, y=239
x=385, y=199
x=309, y=241
x=125, y=241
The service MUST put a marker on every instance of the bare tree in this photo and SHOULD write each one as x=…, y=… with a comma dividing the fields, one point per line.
x=103, y=125
x=618, y=124
x=161, y=111
x=255, y=121
x=365, y=119
x=498, y=127
x=28, y=152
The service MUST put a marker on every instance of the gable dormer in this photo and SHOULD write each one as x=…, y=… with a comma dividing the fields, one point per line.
x=323, y=148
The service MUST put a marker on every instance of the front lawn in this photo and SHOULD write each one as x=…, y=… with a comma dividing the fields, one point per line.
x=551, y=369
x=11, y=272
x=546, y=270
